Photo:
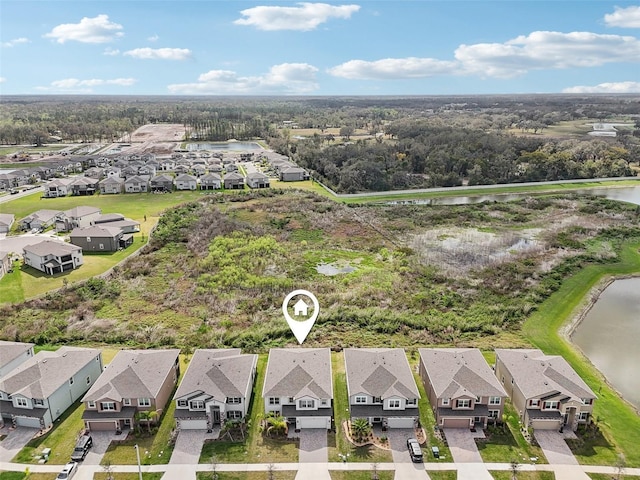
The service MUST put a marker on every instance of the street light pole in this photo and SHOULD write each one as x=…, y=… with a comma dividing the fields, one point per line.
x=138, y=457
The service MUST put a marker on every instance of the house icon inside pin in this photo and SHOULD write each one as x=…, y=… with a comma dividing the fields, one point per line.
x=300, y=308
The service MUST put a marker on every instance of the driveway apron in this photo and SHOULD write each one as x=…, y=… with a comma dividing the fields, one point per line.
x=555, y=448
x=465, y=452
x=15, y=441
x=101, y=442
x=188, y=447
x=313, y=445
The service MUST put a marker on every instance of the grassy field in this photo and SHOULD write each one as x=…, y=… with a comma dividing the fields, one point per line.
x=507, y=475
x=606, y=476
x=443, y=475
x=22, y=475
x=276, y=475
x=361, y=475
x=619, y=424
x=127, y=476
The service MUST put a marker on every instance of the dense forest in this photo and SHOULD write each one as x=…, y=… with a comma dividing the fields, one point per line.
x=364, y=143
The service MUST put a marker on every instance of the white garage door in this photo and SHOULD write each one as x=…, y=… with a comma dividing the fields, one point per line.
x=313, y=422
x=28, y=422
x=197, y=424
x=400, y=422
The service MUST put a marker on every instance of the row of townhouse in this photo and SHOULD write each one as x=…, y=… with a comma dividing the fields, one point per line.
x=62, y=187
x=461, y=387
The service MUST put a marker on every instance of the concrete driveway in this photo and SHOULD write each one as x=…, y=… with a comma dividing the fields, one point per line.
x=313, y=445
x=188, y=447
x=465, y=451
x=101, y=442
x=405, y=468
x=554, y=447
x=15, y=441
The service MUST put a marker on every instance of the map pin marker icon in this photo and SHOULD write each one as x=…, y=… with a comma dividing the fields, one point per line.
x=301, y=328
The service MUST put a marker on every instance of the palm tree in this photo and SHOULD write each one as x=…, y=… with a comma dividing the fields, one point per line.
x=360, y=428
x=276, y=424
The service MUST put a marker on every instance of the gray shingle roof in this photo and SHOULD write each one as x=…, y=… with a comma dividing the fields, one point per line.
x=96, y=231
x=537, y=374
x=133, y=374
x=9, y=351
x=51, y=247
x=379, y=372
x=460, y=371
x=298, y=372
x=220, y=373
x=43, y=215
x=45, y=372
x=6, y=219
x=81, y=211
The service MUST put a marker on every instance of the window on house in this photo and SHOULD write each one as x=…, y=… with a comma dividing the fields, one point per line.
x=446, y=401
x=274, y=401
x=361, y=399
x=38, y=402
x=412, y=401
x=550, y=405
x=91, y=404
x=182, y=403
x=292, y=400
x=234, y=400
x=102, y=246
x=503, y=379
x=493, y=413
x=587, y=401
x=584, y=416
x=494, y=400
x=394, y=403
x=196, y=405
x=88, y=380
x=463, y=403
x=323, y=402
x=144, y=402
x=21, y=402
x=234, y=415
x=512, y=381
x=108, y=406
x=306, y=404
x=126, y=401
x=534, y=402
x=88, y=239
x=377, y=400
x=71, y=381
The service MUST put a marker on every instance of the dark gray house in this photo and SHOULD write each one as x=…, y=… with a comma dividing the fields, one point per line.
x=100, y=238
x=210, y=181
x=161, y=183
x=233, y=181
x=293, y=174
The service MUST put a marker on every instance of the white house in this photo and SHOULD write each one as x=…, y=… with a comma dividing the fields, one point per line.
x=51, y=257
x=215, y=388
x=13, y=354
x=38, y=391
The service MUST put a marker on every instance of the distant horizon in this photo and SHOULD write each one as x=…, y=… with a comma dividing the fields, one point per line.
x=320, y=49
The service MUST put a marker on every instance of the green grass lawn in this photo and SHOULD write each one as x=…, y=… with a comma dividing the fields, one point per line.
x=341, y=444
x=256, y=448
x=606, y=476
x=22, y=475
x=507, y=475
x=60, y=439
x=507, y=443
x=361, y=475
x=443, y=475
x=277, y=475
x=11, y=290
x=127, y=476
x=619, y=424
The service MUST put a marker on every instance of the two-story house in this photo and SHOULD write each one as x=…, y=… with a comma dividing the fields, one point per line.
x=6, y=222
x=112, y=185
x=381, y=387
x=13, y=354
x=58, y=188
x=210, y=181
x=257, y=180
x=37, y=392
x=298, y=386
x=462, y=389
x=134, y=381
x=215, y=388
x=51, y=256
x=100, y=238
x=161, y=183
x=233, y=181
x=136, y=184
x=186, y=182
x=547, y=393
x=81, y=216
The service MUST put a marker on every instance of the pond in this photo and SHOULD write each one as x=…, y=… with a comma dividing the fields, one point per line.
x=234, y=146
x=610, y=336
x=625, y=194
x=331, y=269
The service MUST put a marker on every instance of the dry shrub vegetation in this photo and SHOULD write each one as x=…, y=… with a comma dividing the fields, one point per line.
x=216, y=271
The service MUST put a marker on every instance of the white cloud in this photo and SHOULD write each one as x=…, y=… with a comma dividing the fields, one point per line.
x=153, y=38
x=609, y=87
x=16, y=41
x=394, y=68
x=2, y=79
x=624, y=17
x=68, y=83
x=159, y=53
x=111, y=52
x=90, y=30
x=547, y=50
x=286, y=78
x=306, y=16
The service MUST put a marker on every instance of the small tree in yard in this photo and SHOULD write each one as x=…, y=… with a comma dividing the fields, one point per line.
x=108, y=470
x=214, y=468
x=360, y=428
x=620, y=465
x=271, y=472
x=514, y=467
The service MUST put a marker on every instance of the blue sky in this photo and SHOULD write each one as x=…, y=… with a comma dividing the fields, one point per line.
x=218, y=47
